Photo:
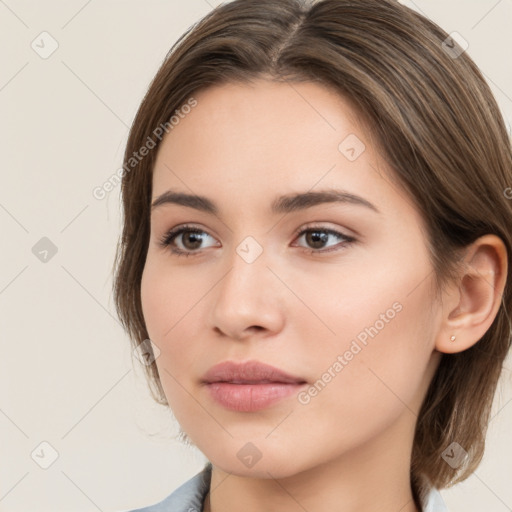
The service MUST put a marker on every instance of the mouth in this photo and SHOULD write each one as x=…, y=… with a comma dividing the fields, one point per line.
x=249, y=386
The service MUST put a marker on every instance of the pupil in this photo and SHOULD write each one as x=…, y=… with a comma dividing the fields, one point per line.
x=192, y=240
x=316, y=239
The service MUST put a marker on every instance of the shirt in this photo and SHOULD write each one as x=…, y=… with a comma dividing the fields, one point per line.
x=190, y=497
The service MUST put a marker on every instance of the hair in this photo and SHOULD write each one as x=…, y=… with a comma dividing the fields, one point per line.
x=437, y=126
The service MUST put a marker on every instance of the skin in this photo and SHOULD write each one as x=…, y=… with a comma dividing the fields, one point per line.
x=347, y=449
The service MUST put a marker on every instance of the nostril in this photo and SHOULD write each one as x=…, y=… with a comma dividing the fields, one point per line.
x=253, y=329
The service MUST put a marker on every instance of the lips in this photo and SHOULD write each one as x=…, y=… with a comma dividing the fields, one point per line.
x=249, y=372
x=249, y=386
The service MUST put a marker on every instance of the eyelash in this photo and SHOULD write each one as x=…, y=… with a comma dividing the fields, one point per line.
x=168, y=238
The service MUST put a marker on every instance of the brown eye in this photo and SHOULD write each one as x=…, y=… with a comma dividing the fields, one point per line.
x=316, y=239
x=187, y=240
x=323, y=240
x=191, y=240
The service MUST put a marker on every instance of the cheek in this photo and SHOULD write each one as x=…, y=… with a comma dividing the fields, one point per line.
x=173, y=304
x=168, y=308
x=172, y=307
x=167, y=297
x=379, y=356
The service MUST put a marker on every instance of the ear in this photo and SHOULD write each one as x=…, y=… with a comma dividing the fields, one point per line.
x=471, y=304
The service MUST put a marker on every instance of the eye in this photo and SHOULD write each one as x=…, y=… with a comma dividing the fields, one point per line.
x=186, y=240
x=317, y=239
x=189, y=240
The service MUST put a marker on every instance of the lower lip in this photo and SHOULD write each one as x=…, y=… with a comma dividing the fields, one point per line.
x=250, y=397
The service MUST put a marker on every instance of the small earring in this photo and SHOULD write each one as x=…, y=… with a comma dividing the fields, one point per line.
x=452, y=338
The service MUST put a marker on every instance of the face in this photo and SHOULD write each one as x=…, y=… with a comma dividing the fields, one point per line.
x=303, y=255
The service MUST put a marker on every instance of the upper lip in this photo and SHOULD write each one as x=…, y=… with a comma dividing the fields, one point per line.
x=248, y=372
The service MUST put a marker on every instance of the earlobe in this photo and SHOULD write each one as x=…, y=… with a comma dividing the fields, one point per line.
x=471, y=305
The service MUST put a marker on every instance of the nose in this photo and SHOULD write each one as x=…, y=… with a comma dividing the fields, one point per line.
x=248, y=301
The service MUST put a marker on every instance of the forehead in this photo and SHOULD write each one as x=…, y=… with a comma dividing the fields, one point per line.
x=301, y=100
x=274, y=127
x=244, y=144
x=268, y=111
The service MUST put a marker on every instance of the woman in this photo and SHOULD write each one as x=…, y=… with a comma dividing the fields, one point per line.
x=316, y=241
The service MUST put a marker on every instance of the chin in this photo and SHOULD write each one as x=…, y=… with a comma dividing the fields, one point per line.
x=257, y=459
x=269, y=468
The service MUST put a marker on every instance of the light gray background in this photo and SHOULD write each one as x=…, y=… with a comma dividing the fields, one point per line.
x=66, y=376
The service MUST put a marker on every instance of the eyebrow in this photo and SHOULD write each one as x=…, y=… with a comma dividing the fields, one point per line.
x=283, y=204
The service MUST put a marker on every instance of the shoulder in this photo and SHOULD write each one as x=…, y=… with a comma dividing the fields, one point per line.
x=189, y=496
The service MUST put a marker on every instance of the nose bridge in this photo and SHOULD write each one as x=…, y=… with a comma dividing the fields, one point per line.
x=245, y=282
x=247, y=296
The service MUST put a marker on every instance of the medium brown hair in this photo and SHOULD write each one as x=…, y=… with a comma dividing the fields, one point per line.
x=437, y=126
